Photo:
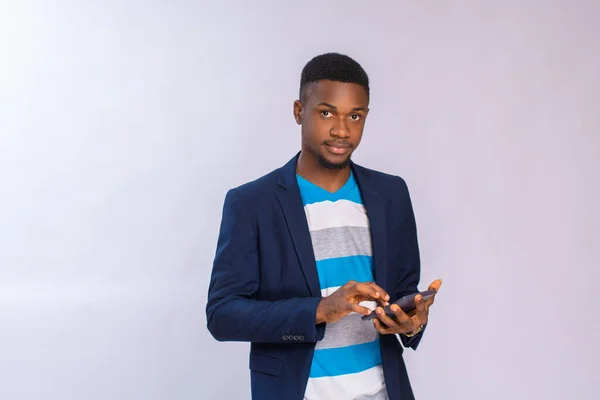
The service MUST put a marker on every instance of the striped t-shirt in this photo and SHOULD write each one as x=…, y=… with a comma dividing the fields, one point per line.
x=347, y=361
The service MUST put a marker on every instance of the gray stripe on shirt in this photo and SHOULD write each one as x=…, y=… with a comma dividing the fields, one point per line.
x=341, y=241
x=348, y=331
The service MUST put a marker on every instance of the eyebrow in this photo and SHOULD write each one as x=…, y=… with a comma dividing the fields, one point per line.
x=335, y=108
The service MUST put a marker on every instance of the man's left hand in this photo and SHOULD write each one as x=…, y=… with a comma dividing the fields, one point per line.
x=403, y=322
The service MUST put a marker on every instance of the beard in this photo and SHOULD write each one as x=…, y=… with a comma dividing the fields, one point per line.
x=325, y=163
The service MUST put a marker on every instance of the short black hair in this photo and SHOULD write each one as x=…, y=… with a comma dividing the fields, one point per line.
x=333, y=67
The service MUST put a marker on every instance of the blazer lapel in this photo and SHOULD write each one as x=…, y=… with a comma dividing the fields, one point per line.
x=374, y=204
x=293, y=210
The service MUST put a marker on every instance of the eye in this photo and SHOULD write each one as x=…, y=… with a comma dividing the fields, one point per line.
x=326, y=113
x=355, y=117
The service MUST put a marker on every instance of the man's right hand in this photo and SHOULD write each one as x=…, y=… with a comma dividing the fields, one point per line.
x=346, y=300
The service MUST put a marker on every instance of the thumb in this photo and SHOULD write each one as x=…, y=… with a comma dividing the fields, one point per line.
x=435, y=285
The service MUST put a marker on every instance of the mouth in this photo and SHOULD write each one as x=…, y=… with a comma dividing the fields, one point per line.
x=338, y=149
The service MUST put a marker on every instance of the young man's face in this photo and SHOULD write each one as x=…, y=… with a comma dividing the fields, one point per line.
x=333, y=118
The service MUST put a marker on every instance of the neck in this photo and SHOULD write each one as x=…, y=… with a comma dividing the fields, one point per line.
x=328, y=179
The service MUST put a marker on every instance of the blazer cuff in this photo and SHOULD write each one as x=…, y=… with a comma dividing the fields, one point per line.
x=412, y=342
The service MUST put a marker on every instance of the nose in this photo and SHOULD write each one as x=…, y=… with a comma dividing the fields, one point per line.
x=340, y=128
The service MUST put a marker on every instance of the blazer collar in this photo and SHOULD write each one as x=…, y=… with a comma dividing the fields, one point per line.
x=287, y=176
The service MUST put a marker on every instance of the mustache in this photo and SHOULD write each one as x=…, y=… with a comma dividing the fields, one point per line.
x=334, y=143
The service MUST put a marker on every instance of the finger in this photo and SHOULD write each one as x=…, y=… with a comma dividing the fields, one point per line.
x=435, y=285
x=400, y=316
x=421, y=315
x=379, y=327
x=387, y=320
x=412, y=313
x=430, y=300
x=369, y=292
x=384, y=295
x=359, y=309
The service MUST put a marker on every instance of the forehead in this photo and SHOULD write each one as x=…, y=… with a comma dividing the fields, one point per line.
x=339, y=94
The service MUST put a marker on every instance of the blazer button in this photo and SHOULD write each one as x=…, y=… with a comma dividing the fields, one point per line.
x=296, y=337
x=285, y=337
x=301, y=337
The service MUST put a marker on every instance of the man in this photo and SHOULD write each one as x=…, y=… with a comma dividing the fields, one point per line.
x=308, y=249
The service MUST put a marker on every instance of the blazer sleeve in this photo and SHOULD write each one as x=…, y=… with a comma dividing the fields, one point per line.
x=233, y=311
x=408, y=280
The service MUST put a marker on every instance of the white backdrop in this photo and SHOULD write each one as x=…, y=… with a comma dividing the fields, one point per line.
x=122, y=125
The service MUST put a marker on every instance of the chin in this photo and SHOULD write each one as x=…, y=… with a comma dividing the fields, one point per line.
x=327, y=163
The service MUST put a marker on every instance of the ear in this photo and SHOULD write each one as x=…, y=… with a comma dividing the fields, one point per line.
x=298, y=110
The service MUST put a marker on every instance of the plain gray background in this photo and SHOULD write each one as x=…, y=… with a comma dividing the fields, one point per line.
x=124, y=123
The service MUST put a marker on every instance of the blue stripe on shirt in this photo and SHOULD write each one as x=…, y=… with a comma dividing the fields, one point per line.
x=312, y=193
x=345, y=360
x=337, y=271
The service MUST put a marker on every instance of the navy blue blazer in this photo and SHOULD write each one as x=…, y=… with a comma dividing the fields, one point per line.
x=264, y=287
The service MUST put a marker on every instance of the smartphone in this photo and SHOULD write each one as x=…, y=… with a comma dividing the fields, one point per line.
x=406, y=303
